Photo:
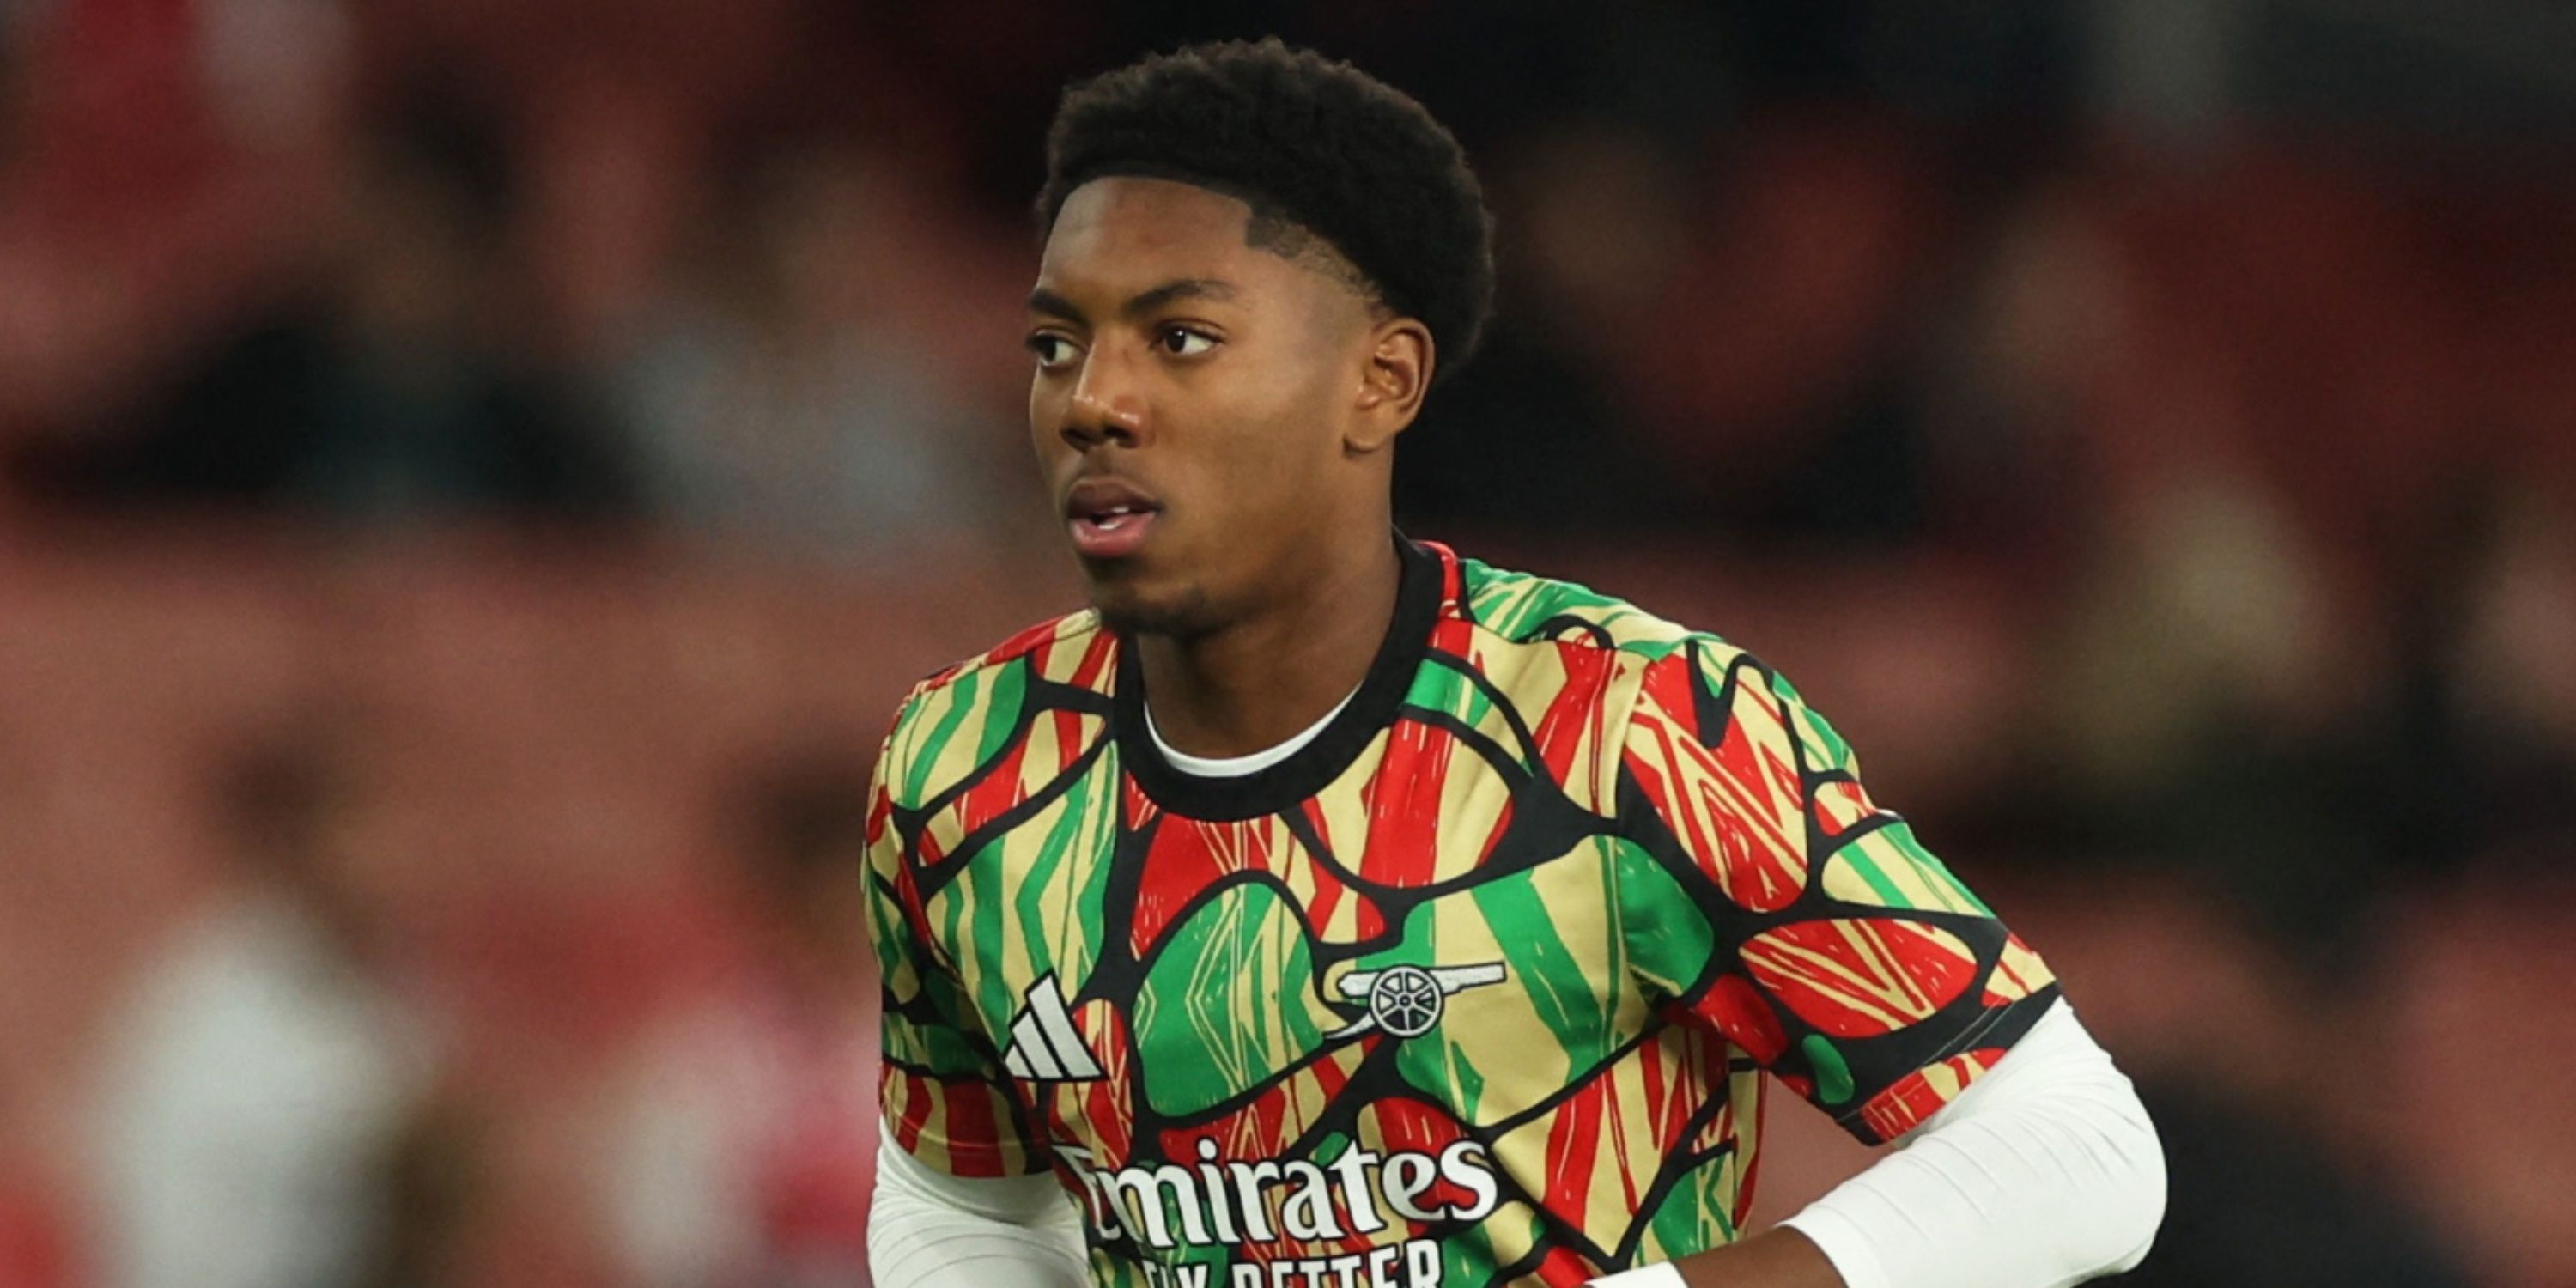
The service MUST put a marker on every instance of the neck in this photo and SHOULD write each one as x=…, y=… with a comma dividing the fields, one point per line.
x=1260, y=681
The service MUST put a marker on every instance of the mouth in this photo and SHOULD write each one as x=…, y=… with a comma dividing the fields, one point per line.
x=1109, y=519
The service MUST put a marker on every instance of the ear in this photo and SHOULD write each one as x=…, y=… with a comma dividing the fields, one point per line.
x=1397, y=374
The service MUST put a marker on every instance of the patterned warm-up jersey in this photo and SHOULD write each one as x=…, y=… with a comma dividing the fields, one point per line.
x=1479, y=987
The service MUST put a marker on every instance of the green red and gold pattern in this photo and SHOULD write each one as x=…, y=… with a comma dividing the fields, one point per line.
x=1490, y=1003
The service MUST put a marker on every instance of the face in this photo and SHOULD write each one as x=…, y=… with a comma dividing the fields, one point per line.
x=1203, y=408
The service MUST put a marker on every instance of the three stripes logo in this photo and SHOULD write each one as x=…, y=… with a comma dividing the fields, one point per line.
x=1045, y=1047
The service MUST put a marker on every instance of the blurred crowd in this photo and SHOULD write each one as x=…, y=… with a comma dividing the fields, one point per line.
x=545, y=437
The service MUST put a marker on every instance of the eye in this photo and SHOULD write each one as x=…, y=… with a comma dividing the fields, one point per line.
x=1052, y=350
x=1184, y=342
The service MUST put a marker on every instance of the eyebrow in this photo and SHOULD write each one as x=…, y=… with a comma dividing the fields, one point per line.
x=1048, y=302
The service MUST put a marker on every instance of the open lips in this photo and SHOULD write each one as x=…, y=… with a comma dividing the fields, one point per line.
x=1109, y=518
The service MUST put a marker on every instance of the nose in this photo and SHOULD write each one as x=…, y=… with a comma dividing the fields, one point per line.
x=1105, y=406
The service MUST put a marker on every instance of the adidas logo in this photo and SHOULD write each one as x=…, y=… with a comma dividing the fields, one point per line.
x=1044, y=1044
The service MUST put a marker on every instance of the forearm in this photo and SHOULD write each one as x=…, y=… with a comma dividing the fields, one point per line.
x=1780, y=1258
x=928, y=1230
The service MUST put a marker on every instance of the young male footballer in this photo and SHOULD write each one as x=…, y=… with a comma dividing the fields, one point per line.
x=1324, y=909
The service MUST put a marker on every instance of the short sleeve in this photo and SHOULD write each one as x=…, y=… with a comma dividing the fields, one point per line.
x=1763, y=894
x=944, y=1095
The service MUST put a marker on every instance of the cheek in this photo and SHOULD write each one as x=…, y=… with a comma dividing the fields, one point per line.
x=1289, y=414
x=1279, y=466
x=1046, y=415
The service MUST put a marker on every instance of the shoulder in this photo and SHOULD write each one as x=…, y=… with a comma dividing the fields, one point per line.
x=1523, y=609
x=953, y=715
x=1528, y=625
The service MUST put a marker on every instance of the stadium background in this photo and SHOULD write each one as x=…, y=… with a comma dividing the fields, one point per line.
x=478, y=472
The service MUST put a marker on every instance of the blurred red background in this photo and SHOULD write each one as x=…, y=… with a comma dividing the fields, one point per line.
x=545, y=439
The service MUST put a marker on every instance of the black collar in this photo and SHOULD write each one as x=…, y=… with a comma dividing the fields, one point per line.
x=1314, y=766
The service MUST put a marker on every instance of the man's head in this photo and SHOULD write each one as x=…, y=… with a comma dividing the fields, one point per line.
x=295, y=804
x=1256, y=262
x=799, y=822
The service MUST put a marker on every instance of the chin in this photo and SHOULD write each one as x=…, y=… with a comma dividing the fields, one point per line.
x=1129, y=609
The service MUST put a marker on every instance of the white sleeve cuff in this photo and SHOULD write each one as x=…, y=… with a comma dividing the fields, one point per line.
x=1659, y=1275
x=932, y=1230
x=2044, y=1172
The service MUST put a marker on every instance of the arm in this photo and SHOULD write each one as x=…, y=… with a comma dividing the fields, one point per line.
x=1771, y=900
x=928, y=1229
x=962, y=1176
x=2045, y=1173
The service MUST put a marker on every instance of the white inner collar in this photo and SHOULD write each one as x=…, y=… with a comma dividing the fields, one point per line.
x=1240, y=766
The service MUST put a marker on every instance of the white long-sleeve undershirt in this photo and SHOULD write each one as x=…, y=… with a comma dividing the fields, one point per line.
x=927, y=1229
x=2044, y=1172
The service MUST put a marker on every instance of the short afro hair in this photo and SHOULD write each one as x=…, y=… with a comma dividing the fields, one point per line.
x=1306, y=139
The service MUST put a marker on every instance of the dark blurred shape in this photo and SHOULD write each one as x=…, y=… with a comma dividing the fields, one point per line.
x=2253, y=1201
x=283, y=802
x=435, y=1179
x=1535, y=425
x=802, y=831
x=795, y=396
x=395, y=382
